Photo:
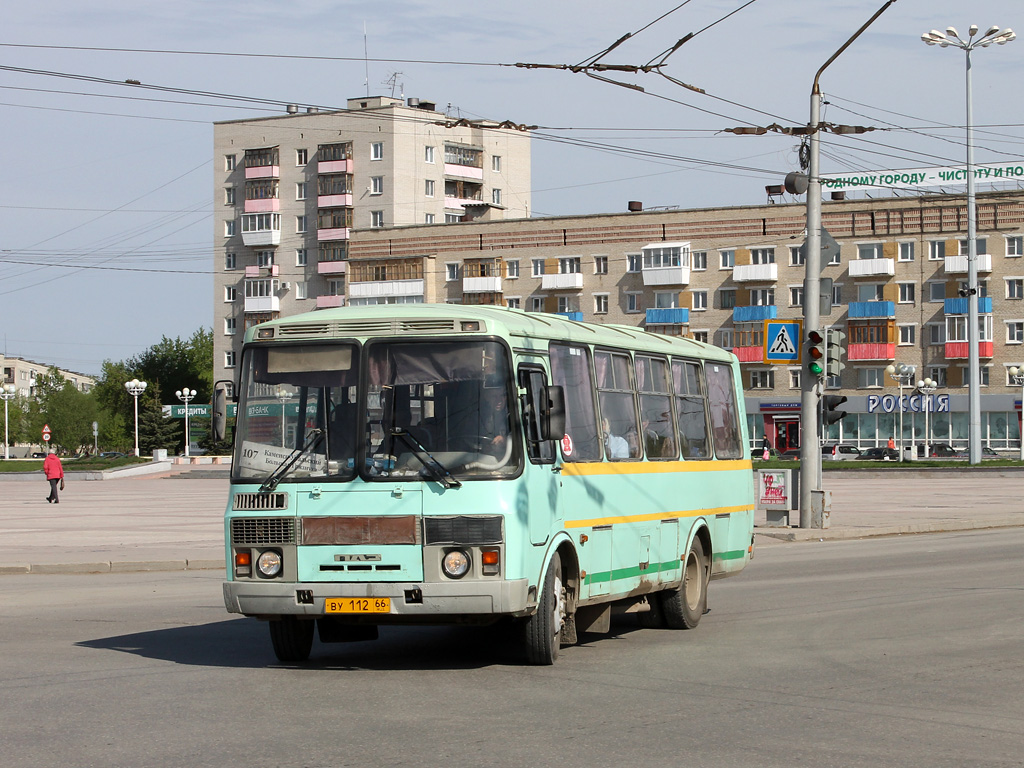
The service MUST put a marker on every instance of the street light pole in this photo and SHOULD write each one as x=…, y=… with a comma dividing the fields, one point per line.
x=904, y=376
x=1017, y=374
x=927, y=388
x=810, y=387
x=186, y=396
x=7, y=392
x=136, y=388
x=952, y=38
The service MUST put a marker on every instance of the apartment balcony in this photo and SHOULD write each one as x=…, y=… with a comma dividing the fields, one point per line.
x=755, y=273
x=871, y=351
x=867, y=309
x=377, y=289
x=272, y=271
x=340, y=233
x=872, y=267
x=667, y=275
x=754, y=314
x=463, y=171
x=261, y=229
x=958, y=350
x=481, y=285
x=331, y=267
x=460, y=203
x=749, y=354
x=577, y=316
x=263, y=172
x=262, y=304
x=329, y=302
x=668, y=316
x=958, y=264
x=572, y=281
x=334, y=201
x=270, y=205
x=959, y=306
x=261, y=238
x=334, y=166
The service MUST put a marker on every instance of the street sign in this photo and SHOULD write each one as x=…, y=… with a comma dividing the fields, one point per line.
x=782, y=341
x=46, y=433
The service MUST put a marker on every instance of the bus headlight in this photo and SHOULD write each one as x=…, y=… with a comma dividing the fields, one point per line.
x=269, y=564
x=455, y=564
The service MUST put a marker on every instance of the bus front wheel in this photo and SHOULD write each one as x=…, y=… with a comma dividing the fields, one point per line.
x=683, y=607
x=292, y=638
x=543, y=630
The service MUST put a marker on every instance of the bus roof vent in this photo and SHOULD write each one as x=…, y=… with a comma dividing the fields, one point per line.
x=426, y=326
x=304, y=329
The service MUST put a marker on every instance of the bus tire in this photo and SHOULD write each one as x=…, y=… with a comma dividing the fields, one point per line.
x=683, y=607
x=543, y=630
x=292, y=638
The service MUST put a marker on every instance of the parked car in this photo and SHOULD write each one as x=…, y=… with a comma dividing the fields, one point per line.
x=38, y=455
x=839, y=452
x=938, y=451
x=880, y=454
x=986, y=453
x=793, y=454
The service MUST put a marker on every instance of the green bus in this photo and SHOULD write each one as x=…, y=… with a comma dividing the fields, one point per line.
x=449, y=464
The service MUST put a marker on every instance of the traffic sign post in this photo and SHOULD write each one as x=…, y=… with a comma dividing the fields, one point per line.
x=782, y=341
x=46, y=433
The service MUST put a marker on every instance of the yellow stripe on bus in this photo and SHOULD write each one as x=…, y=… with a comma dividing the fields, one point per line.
x=656, y=516
x=652, y=467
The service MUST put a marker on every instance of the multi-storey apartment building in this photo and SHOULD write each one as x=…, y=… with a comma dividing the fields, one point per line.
x=290, y=190
x=718, y=274
x=22, y=374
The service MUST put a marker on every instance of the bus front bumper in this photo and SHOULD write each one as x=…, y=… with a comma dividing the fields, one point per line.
x=411, y=602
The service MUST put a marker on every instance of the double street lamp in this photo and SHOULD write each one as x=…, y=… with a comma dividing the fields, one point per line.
x=1017, y=377
x=186, y=396
x=136, y=388
x=904, y=376
x=927, y=388
x=944, y=40
x=7, y=392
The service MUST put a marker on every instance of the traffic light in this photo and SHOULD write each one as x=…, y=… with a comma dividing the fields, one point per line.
x=829, y=414
x=816, y=353
x=834, y=341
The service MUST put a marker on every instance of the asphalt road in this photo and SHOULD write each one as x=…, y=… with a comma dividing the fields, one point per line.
x=886, y=652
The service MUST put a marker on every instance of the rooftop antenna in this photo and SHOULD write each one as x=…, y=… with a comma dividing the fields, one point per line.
x=394, y=83
x=366, y=61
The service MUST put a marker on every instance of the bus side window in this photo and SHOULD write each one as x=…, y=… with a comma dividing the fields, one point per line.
x=617, y=399
x=655, y=408
x=725, y=424
x=534, y=382
x=688, y=386
x=570, y=369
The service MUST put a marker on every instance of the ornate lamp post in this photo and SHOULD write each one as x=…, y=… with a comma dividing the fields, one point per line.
x=1017, y=374
x=136, y=388
x=7, y=392
x=927, y=388
x=186, y=396
x=904, y=376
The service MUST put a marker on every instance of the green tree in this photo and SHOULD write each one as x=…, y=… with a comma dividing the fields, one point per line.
x=68, y=411
x=155, y=429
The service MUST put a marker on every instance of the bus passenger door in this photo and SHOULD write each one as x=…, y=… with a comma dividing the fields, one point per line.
x=539, y=499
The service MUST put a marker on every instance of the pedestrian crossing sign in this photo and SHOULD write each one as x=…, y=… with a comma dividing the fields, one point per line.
x=783, y=340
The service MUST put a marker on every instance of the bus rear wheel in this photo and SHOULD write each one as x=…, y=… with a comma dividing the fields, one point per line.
x=683, y=607
x=543, y=630
x=292, y=638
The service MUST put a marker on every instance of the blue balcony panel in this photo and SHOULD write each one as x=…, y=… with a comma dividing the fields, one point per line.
x=959, y=306
x=668, y=316
x=754, y=314
x=872, y=309
x=577, y=316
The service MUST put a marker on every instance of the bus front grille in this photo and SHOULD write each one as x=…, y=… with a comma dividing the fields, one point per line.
x=462, y=530
x=260, y=531
x=259, y=502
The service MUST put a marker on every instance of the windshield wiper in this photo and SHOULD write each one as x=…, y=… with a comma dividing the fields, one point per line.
x=435, y=468
x=312, y=441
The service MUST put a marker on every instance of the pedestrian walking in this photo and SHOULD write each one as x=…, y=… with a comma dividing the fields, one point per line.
x=766, y=449
x=54, y=472
x=891, y=444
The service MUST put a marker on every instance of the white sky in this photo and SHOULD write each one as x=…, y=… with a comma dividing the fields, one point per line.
x=101, y=180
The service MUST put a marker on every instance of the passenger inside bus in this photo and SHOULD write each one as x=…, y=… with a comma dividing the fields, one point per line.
x=616, y=445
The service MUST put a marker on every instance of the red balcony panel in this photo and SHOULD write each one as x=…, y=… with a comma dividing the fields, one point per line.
x=958, y=350
x=272, y=205
x=334, y=166
x=749, y=354
x=263, y=172
x=871, y=351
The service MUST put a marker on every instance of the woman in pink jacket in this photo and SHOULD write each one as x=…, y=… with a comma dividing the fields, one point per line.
x=54, y=472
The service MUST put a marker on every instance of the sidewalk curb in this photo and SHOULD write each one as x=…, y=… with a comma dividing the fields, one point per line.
x=113, y=566
x=846, y=534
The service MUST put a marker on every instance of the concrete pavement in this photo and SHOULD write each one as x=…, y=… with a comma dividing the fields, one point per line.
x=173, y=520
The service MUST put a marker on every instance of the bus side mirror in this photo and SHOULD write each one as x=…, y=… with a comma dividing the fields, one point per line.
x=552, y=415
x=220, y=410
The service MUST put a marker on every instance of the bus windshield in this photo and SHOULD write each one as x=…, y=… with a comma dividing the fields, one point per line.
x=428, y=408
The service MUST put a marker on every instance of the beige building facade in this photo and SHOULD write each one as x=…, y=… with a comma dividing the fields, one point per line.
x=22, y=374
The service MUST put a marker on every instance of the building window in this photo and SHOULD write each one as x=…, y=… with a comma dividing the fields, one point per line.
x=1015, y=332
x=794, y=378
x=229, y=359
x=428, y=218
x=600, y=303
x=869, y=251
x=701, y=336
x=936, y=250
x=567, y=304
x=870, y=377
x=336, y=286
x=264, y=259
x=908, y=335
x=514, y=302
x=797, y=255
x=796, y=296
x=1015, y=288
x=936, y=291
x=230, y=326
x=301, y=290
x=428, y=154
x=451, y=271
x=837, y=294
x=496, y=196
x=536, y=303
x=376, y=218
x=569, y=265
x=870, y=292
x=938, y=375
x=835, y=258
x=1014, y=246
x=538, y=267
x=699, y=260
x=725, y=338
x=633, y=302
x=936, y=334
x=229, y=195
x=512, y=269
x=982, y=374
x=428, y=187
x=229, y=162
x=666, y=299
x=301, y=224
x=980, y=245
x=762, y=297
x=301, y=257
x=700, y=300
x=762, y=379
x=907, y=292
x=727, y=298
x=496, y=163
x=301, y=156
x=762, y=255
x=906, y=252
x=376, y=185
x=634, y=262
x=300, y=190
x=452, y=218
x=229, y=228
x=726, y=259
x=377, y=150
x=230, y=261
x=600, y=265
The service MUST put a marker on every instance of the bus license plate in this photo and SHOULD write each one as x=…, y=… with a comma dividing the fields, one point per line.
x=357, y=605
